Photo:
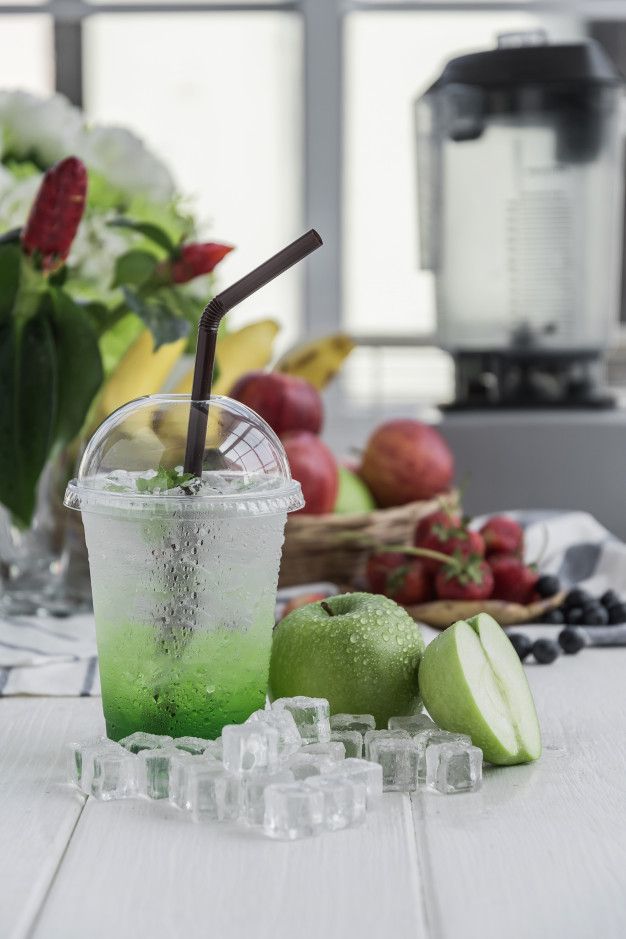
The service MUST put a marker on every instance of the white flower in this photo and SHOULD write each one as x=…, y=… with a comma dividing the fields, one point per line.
x=16, y=199
x=46, y=128
x=126, y=163
x=95, y=251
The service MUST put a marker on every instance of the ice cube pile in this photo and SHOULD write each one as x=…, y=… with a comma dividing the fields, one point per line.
x=291, y=770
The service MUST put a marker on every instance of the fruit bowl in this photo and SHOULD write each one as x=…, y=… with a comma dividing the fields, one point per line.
x=336, y=547
x=442, y=613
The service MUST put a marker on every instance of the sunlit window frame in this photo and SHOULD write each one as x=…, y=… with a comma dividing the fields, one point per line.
x=322, y=103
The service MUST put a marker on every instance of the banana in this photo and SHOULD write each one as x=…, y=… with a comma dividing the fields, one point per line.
x=141, y=371
x=244, y=350
x=317, y=361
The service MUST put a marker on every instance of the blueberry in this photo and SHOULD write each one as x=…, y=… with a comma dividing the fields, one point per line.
x=595, y=615
x=571, y=641
x=617, y=613
x=574, y=616
x=547, y=585
x=545, y=651
x=578, y=597
x=554, y=617
x=521, y=643
x=609, y=599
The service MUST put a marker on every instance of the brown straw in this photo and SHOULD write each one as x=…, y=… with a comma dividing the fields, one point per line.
x=207, y=338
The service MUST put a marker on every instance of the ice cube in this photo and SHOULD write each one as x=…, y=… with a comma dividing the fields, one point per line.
x=303, y=765
x=153, y=774
x=426, y=738
x=179, y=775
x=114, y=775
x=379, y=735
x=293, y=810
x=311, y=716
x=212, y=793
x=140, y=741
x=334, y=749
x=398, y=757
x=360, y=722
x=81, y=757
x=412, y=723
x=253, y=793
x=194, y=745
x=344, y=800
x=352, y=741
x=370, y=774
x=215, y=748
x=249, y=746
x=453, y=767
x=289, y=739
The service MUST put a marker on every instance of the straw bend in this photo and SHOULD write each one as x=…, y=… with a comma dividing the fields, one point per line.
x=207, y=337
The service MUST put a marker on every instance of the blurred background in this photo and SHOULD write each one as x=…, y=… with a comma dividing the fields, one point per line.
x=277, y=116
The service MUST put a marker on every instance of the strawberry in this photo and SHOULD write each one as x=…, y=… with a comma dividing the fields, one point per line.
x=503, y=535
x=191, y=261
x=402, y=578
x=445, y=518
x=450, y=539
x=464, y=578
x=55, y=214
x=513, y=580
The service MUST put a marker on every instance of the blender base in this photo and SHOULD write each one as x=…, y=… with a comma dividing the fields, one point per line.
x=529, y=380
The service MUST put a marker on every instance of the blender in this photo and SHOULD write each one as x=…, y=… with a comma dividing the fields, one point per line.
x=520, y=185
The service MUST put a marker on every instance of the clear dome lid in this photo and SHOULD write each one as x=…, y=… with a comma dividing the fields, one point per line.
x=134, y=462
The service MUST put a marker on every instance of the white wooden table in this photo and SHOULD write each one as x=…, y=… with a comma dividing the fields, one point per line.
x=539, y=852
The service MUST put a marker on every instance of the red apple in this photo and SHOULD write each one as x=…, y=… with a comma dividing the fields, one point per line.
x=315, y=468
x=406, y=460
x=286, y=402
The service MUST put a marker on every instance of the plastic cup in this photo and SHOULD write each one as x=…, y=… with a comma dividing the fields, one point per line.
x=184, y=576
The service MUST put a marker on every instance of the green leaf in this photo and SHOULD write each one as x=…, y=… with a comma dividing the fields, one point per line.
x=164, y=479
x=28, y=392
x=11, y=237
x=10, y=262
x=80, y=372
x=134, y=268
x=102, y=195
x=159, y=318
x=117, y=339
x=152, y=232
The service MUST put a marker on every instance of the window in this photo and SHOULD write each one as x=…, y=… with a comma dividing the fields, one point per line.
x=278, y=115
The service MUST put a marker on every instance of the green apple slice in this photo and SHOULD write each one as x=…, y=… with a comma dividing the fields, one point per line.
x=472, y=682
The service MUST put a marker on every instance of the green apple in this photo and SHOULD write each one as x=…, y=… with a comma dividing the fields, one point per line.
x=473, y=682
x=360, y=650
x=353, y=495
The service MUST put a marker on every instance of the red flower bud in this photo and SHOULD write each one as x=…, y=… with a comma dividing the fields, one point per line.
x=196, y=259
x=56, y=213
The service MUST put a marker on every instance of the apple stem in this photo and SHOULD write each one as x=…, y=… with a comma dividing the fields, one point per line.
x=326, y=608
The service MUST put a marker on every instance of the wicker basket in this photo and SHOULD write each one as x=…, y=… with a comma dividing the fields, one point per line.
x=336, y=547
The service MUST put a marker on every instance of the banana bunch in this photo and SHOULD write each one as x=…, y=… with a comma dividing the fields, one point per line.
x=317, y=361
x=142, y=370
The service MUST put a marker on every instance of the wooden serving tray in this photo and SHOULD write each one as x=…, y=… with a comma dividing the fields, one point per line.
x=442, y=613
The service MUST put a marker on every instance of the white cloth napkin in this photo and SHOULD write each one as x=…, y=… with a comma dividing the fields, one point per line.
x=52, y=656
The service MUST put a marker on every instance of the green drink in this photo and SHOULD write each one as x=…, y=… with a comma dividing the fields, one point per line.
x=183, y=572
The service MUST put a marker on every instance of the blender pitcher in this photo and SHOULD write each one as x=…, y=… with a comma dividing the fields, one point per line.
x=520, y=197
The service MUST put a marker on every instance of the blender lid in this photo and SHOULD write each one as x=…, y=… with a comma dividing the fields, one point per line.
x=576, y=63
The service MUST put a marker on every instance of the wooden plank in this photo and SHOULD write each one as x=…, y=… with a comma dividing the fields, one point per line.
x=37, y=812
x=541, y=850
x=136, y=868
